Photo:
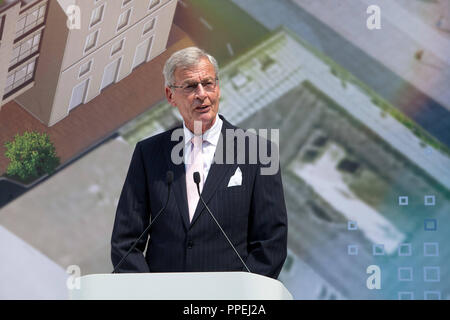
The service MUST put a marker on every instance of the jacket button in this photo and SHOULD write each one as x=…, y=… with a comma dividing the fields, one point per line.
x=190, y=244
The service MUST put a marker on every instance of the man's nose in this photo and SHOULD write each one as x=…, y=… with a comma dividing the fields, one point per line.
x=200, y=90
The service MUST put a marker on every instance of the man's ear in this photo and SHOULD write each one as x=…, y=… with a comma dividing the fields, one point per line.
x=169, y=96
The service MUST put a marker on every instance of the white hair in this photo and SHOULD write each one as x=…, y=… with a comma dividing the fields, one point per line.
x=183, y=58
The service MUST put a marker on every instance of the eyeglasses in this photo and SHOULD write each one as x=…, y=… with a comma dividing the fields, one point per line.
x=208, y=84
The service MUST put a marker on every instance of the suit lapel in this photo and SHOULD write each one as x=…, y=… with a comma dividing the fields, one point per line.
x=179, y=181
x=216, y=174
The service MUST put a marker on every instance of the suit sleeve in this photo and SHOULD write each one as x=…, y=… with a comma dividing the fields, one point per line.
x=132, y=217
x=267, y=236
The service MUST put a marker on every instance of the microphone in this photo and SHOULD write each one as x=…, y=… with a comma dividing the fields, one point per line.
x=169, y=180
x=197, y=182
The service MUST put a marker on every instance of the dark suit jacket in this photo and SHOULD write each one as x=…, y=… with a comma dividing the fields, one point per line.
x=253, y=215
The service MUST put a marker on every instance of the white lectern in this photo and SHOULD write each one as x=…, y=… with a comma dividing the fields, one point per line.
x=180, y=286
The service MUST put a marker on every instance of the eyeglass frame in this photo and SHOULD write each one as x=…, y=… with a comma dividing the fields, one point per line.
x=184, y=87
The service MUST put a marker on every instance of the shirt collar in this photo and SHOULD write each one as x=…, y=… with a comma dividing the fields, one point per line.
x=211, y=135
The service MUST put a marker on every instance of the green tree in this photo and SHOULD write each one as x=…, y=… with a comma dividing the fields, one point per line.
x=32, y=155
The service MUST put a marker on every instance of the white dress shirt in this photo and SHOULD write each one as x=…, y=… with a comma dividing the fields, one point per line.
x=210, y=139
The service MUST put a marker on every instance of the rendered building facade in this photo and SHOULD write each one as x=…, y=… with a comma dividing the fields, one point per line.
x=21, y=27
x=86, y=46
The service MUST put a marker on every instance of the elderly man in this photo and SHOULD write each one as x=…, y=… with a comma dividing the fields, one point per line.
x=248, y=206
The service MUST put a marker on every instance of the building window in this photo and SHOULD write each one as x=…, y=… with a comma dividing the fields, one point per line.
x=126, y=2
x=85, y=68
x=31, y=20
x=117, y=47
x=25, y=49
x=154, y=3
x=91, y=41
x=2, y=25
x=79, y=93
x=124, y=19
x=20, y=76
x=142, y=52
x=97, y=15
x=148, y=27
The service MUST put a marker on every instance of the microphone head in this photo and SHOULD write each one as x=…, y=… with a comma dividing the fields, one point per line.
x=196, y=177
x=169, y=177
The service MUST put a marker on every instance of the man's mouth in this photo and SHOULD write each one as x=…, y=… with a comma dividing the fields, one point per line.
x=203, y=108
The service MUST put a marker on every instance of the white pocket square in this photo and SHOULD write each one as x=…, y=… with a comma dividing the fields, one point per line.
x=236, y=178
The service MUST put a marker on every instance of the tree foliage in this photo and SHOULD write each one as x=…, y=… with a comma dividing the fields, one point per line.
x=32, y=155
